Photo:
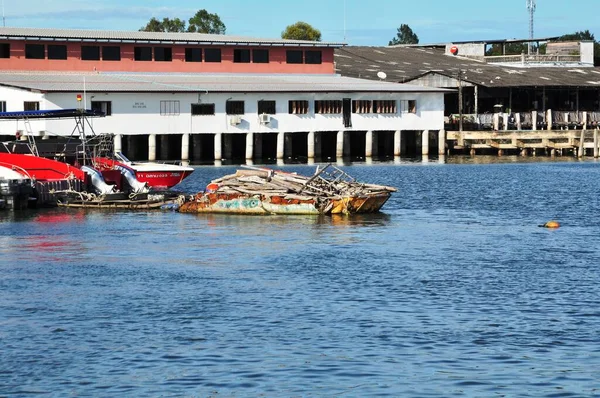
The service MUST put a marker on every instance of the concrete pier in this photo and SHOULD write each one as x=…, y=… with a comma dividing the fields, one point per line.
x=249, y=146
x=397, y=143
x=280, y=145
x=218, y=146
x=339, y=146
x=369, y=144
x=311, y=145
x=596, y=144
x=118, y=143
x=425, y=142
x=152, y=147
x=185, y=147
x=442, y=143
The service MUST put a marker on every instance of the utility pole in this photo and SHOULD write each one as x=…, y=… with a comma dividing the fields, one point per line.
x=530, y=4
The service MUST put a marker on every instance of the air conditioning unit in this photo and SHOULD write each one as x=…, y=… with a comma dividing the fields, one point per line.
x=264, y=118
x=235, y=120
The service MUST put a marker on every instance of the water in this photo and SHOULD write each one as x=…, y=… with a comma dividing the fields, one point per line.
x=454, y=290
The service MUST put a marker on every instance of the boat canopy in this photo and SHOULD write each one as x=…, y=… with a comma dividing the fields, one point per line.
x=50, y=114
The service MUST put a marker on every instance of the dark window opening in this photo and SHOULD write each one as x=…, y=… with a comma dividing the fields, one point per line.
x=234, y=107
x=111, y=53
x=163, y=54
x=193, y=55
x=2, y=106
x=294, y=56
x=203, y=109
x=57, y=51
x=361, y=106
x=90, y=53
x=384, y=106
x=267, y=107
x=212, y=55
x=298, y=107
x=260, y=56
x=142, y=53
x=241, y=55
x=31, y=106
x=34, y=51
x=102, y=106
x=313, y=57
x=328, y=106
x=4, y=50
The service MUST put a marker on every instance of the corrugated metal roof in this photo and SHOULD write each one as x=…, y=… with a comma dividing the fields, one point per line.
x=171, y=82
x=200, y=38
x=403, y=64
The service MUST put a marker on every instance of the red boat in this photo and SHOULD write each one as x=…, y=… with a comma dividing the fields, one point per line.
x=41, y=169
x=157, y=175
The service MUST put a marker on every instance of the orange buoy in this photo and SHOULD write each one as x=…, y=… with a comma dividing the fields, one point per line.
x=552, y=224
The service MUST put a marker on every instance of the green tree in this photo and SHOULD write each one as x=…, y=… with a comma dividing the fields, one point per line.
x=204, y=22
x=405, y=35
x=301, y=31
x=201, y=22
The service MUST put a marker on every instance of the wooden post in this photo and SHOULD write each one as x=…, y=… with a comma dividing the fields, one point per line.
x=534, y=120
x=549, y=118
x=585, y=119
x=505, y=121
x=581, y=140
x=518, y=120
x=496, y=120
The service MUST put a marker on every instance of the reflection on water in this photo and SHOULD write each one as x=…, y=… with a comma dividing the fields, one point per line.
x=453, y=290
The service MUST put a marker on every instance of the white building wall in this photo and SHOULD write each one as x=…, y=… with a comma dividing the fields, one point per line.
x=14, y=99
x=139, y=113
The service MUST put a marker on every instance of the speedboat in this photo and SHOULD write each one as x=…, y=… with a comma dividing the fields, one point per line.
x=157, y=175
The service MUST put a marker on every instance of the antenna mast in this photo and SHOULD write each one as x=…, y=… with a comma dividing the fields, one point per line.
x=531, y=9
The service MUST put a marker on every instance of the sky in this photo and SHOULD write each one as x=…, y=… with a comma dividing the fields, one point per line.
x=356, y=22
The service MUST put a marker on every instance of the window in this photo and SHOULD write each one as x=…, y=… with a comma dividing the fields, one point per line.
x=298, y=107
x=163, y=54
x=203, y=109
x=241, y=55
x=102, y=106
x=266, y=107
x=193, y=55
x=31, y=106
x=90, y=53
x=408, y=106
x=4, y=50
x=234, y=107
x=169, y=108
x=361, y=106
x=294, y=56
x=384, y=106
x=328, y=106
x=57, y=51
x=2, y=106
x=312, y=57
x=111, y=53
x=260, y=56
x=212, y=55
x=142, y=53
x=34, y=51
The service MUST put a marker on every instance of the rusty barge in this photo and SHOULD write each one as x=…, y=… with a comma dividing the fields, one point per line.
x=261, y=191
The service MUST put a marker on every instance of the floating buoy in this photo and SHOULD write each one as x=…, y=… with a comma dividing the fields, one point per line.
x=552, y=224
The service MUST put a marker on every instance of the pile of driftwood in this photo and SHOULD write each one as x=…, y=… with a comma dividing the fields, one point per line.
x=328, y=182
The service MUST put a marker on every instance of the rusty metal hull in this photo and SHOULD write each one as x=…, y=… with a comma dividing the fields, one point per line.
x=275, y=204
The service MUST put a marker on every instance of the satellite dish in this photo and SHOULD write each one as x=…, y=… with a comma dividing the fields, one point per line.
x=381, y=75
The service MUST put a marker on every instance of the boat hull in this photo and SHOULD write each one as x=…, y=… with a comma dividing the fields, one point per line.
x=275, y=204
x=161, y=179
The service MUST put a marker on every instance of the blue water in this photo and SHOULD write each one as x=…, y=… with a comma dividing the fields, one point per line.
x=454, y=290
